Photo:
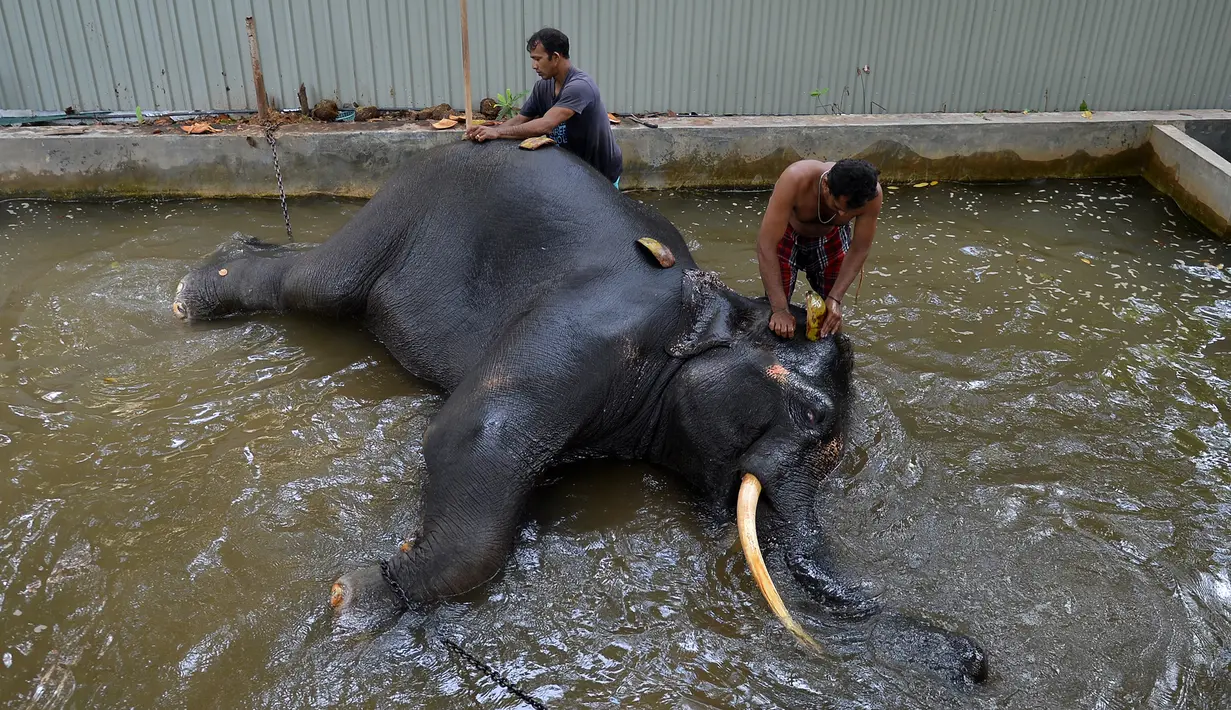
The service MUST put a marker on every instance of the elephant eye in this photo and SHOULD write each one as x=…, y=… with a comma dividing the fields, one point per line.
x=809, y=416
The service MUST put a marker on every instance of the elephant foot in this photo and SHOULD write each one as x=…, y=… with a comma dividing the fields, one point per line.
x=363, y=600
x=954, y=657
x=196, y=296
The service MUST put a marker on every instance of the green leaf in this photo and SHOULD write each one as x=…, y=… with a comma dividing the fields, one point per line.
x=1083, y=107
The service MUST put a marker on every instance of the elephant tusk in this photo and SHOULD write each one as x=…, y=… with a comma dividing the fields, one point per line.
x=746, y=519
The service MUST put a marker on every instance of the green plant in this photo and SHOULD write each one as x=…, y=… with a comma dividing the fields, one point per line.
x=140, y=118
x=817, y=94
x=508, y=103
x=1083, y=107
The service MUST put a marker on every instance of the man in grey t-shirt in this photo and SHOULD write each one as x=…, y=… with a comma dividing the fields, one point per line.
x=565, y=105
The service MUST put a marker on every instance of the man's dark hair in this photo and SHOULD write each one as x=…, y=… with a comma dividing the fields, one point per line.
x=855, y=180
x=554, y=41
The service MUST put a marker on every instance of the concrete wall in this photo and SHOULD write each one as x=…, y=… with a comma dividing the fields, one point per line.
x=356, y=159
x=1197, y=178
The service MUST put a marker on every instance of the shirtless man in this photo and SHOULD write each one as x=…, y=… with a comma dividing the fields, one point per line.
x=808, y=226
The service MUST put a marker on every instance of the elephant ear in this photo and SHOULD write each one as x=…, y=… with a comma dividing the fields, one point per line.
x=708, y=314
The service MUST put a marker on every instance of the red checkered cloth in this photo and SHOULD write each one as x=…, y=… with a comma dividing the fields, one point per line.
x=820, y=258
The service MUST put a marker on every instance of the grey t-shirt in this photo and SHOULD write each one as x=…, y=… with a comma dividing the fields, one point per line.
x=588, y=132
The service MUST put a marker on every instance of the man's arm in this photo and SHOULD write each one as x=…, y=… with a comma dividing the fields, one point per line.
x=861, y=244
x=773, y=226
x=536, y=127
x=521, y=127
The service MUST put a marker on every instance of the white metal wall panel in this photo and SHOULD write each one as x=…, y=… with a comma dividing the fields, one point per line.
x=707, y=56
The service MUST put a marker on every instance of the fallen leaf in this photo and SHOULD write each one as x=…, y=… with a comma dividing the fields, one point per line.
x=200, y=127
x=110, y=380
x=1087, y=114
x=613, y=118
x=920, y=184
x=444, y=123
x=536, y=143
x=893, y=187
x=1086, y=261
x=660, y=251
x=934, y=182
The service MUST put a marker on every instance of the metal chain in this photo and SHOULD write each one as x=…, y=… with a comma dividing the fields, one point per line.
x=286, y=216
x=454, y=646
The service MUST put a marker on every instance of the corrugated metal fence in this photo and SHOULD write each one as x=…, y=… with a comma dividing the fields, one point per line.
x=707, y=56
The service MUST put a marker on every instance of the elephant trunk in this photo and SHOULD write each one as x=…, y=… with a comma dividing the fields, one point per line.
x=893, y=636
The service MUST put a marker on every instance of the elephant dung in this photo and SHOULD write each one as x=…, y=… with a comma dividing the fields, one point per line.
x=435, y=113
x=325, y=110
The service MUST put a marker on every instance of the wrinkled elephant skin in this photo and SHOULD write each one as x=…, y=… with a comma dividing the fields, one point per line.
x=515, y=282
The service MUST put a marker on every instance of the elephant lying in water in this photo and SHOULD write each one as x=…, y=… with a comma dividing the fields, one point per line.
x=513, y=280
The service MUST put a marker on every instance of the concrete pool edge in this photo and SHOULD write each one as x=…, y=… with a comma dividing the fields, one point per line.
x=1193, y=175
x=720, y=152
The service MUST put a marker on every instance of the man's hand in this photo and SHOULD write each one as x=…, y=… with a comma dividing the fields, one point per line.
x=782, y=322
x=833, y=317
x=482, y=133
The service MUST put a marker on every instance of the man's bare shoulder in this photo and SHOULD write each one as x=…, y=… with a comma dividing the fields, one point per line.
x=806, y=169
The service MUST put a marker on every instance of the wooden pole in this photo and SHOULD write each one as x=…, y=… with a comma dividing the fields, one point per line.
x=466, y=62
x=258, y=79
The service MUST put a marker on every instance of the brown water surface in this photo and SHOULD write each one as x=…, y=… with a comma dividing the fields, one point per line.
x=1042, y=460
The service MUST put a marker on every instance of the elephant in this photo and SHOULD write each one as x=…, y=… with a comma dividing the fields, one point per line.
x=564, y=321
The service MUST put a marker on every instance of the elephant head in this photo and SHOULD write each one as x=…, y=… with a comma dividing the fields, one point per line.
x=757, y=420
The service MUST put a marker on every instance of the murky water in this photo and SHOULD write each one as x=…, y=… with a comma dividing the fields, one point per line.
x=1044, y=462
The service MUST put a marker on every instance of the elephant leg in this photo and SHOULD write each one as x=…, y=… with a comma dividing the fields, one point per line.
x=484, y=452
x=469, y=524
x=333, y=279
x=478, y=484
